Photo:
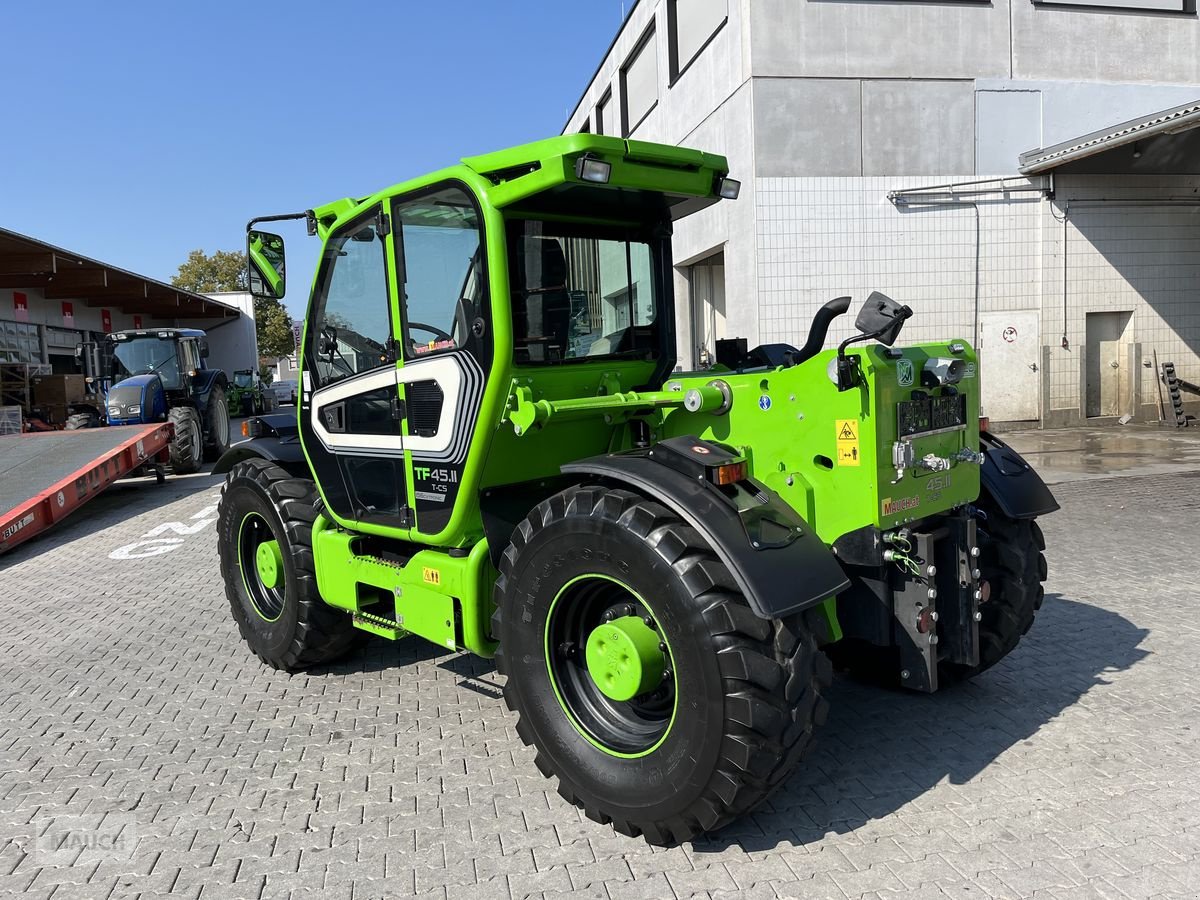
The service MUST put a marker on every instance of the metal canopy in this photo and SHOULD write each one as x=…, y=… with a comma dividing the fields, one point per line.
x=61, y=275
x=1168, y=122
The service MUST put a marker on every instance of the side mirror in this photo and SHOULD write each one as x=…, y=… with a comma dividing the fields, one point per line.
x=881, y=317
x=265, y=253
x=204, y=349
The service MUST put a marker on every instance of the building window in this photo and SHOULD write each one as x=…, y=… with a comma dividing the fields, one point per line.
x=692, y=24
x=586, y=127
x=1178, y=6
x=639, y=83
x=605, y=119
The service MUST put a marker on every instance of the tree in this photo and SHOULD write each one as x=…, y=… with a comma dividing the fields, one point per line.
x=275, y=336
x=225, y=270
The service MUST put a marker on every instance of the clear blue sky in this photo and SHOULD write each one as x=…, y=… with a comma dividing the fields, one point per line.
x=138, y=131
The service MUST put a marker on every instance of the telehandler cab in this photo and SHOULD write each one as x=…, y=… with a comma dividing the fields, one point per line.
x=493, y=451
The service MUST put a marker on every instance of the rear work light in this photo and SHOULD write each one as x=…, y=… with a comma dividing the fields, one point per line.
x=728, y=188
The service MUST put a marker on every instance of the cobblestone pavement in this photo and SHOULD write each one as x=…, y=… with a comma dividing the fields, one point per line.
x=134, y=722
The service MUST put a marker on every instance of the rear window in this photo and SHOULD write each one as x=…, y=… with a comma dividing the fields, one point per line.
x=581, y=293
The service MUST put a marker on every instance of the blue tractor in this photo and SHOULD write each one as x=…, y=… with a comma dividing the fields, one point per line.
x=156, y=375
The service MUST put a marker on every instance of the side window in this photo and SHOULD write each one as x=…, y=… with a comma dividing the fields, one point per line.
x=440, y=268
x=352, y=322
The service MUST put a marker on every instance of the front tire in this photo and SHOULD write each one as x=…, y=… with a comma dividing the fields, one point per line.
x=216, y=422
x=186, y=443
x=739, y=696
x=77, y=421
x=265, y=521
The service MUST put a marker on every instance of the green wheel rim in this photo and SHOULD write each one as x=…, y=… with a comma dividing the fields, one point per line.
x=630, y=715
x=261, y=562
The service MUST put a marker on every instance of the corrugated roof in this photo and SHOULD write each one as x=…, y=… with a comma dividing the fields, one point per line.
x=1169, y=121
x=26, y=262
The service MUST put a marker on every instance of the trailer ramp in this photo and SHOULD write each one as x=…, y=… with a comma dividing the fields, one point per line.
x=45, y=476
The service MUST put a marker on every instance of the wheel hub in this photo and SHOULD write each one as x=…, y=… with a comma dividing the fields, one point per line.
x=269, y=562
x=624, y=659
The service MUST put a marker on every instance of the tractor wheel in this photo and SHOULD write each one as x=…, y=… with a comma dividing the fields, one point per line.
x=1012, y=568
x=186, y=446
x=265, y=544
x=638, y=672
x=81, y=420
x=216, y=424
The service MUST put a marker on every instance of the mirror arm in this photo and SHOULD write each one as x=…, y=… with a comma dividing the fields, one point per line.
x=848, y=372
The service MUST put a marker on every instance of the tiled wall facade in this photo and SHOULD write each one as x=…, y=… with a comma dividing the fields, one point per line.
x=818, y=238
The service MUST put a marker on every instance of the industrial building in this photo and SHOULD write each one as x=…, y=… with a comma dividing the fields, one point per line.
x=52, y=299
x=1022, y=173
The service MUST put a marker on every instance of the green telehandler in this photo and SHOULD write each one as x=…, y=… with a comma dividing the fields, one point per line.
x=492, y=450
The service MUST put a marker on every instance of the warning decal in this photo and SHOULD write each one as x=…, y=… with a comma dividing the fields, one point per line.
x=847, y=442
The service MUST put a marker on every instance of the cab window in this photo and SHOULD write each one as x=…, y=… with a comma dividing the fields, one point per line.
x=439, y=266
x=580, y=292
x=352, y=323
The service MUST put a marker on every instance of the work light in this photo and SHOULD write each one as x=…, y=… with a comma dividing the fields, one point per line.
x=596, y=171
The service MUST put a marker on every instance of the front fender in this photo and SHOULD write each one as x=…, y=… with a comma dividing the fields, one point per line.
x=1017, y=489
x=285, y=454
x=778, y=578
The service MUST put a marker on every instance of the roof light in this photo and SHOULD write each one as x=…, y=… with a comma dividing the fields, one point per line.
x=728, y=188
x=597, y=171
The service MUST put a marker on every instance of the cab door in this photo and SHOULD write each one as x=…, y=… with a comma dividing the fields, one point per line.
x=350, y=415
x=440, y=261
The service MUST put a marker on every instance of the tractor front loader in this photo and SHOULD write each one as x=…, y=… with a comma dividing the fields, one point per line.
x=493, y=451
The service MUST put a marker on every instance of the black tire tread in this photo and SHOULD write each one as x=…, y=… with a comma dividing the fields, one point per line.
x=212, y=446
x=322, y=633
x=186, y=420
x=772, y=670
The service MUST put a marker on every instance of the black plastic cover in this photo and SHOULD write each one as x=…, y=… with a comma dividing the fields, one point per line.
x=779, y=578
x=1017, y=489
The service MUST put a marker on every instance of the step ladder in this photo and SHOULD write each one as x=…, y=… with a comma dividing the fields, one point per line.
x=1171, y=380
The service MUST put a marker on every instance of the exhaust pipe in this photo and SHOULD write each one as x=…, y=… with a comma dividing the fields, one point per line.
x=820, y=328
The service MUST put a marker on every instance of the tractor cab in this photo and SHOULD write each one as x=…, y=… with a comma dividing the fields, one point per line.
x=153, y=375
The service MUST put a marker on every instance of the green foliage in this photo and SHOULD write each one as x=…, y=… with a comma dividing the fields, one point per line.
x=275, y=336
x=225, y=270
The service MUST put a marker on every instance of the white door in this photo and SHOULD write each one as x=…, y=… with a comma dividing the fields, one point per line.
x=1009, y=357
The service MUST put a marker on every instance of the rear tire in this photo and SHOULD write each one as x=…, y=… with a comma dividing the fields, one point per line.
x=746, y=691
x=216, y=424
x=186, y=447
x=1011, y=561
x=286, y=624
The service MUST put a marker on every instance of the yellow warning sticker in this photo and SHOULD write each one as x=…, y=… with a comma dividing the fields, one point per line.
x=431, y=576
x=847, y=442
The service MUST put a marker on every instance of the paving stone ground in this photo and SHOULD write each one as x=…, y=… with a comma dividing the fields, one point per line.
x=144, y=752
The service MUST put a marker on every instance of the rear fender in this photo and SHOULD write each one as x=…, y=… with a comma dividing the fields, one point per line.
x=1017, y=489
x=780, y=577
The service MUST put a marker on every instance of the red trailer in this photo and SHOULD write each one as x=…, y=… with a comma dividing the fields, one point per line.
x=45, y=476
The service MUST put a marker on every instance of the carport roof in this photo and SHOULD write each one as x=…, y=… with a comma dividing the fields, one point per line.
x=26, y=262
x=1170, y=121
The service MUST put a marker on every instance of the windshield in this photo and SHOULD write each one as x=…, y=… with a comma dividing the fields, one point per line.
x=581, y=292
x=243, y=379
x=147, y=355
